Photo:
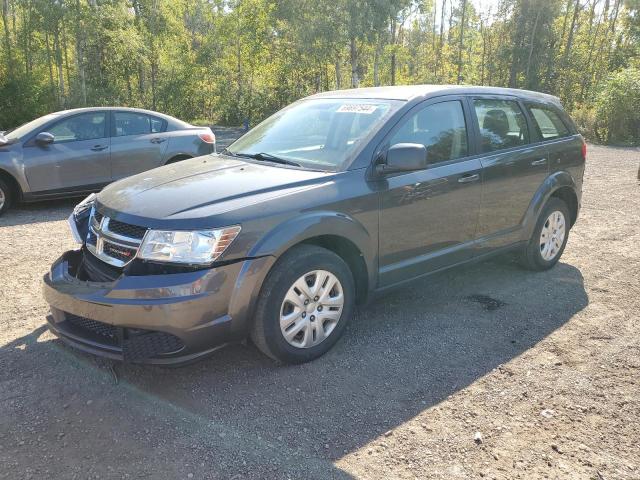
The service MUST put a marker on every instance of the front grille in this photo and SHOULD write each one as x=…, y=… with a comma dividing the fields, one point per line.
x=95, y=270
x=148, y=345
x=126, y=230
x=136, y=344
x=115, y=243
x=108, y=332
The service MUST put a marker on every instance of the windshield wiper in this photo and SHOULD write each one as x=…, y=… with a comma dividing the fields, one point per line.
x=267, y=157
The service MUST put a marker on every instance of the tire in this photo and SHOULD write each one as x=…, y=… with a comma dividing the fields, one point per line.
x=318, y=326
x=539, y=254
x=6, y=196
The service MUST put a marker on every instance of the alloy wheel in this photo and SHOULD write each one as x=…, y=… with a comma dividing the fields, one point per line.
x=311, y=309
x=552, y=235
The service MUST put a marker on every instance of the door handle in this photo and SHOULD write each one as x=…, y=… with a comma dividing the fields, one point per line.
x=157, y=140
x=542, y=161
x=99, y=148
x=469, y=178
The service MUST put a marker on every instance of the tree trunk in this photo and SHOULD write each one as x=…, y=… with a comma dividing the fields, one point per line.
x=338, y=73
x=58, y=56
x=461, y=42
x=531, y=45
x=353, y=56
x=7, y=35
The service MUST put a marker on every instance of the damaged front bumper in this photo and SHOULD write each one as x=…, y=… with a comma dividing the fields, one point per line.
x=159, y=319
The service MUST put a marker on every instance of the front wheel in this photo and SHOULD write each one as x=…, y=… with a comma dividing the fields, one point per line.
x=304, y=305
x=549, y=237
x=5, y=196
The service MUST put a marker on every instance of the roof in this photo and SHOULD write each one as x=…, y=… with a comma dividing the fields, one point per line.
x=125, y=109
x=410, y=92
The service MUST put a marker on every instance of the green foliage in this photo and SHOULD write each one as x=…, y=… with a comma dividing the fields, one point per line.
x=230, y=60
x=617, y=109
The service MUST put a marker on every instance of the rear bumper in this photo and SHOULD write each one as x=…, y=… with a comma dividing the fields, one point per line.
x=157, y=319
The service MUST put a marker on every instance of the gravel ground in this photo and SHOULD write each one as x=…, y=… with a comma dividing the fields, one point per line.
x=539, y=380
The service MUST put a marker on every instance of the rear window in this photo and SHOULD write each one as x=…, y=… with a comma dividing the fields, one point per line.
x=132, y=123
x=548, y=123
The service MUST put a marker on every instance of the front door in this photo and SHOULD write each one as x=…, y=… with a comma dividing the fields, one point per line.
x=138, y=143
x=428, y=218
x=78, y=158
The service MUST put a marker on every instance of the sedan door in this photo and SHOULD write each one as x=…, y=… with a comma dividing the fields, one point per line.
x=138, y=143
x=428, y=218
x=77, y=160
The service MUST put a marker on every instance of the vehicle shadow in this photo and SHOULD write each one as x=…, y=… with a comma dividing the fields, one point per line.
x=44, y=211
x=402, y=354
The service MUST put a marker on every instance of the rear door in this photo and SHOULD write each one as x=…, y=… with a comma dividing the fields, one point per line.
x=512, y=168
x=138, y=142
x=78, y=158
x=428, y=218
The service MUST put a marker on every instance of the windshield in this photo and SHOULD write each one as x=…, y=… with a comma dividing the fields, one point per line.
x=22, y=130
x=318, y=133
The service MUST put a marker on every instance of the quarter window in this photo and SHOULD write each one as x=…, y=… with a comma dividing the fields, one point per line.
x=439, y=127
x=502, y=124
x=86, y=126
x=130, y=123
x=548, y=123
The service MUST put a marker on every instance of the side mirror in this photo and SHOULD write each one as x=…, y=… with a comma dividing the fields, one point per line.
x=404, y=157
x=44, y=138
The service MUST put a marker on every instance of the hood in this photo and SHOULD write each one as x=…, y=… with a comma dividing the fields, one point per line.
x=201, y=188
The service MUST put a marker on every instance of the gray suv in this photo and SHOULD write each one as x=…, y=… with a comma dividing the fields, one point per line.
x=79, y=151
x=322, y=206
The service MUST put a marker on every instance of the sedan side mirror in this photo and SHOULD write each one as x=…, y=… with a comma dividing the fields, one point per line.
x=45, y=138
x=404, y=157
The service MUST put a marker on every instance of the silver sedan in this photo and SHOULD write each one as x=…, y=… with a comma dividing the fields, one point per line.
x=79, y=151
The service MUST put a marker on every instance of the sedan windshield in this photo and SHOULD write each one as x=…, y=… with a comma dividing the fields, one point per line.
x=317, y=133
x=25, y=129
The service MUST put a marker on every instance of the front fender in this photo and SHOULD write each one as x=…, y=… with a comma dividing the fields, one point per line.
x=553, y=182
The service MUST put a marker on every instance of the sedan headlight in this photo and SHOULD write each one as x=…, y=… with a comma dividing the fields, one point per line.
x=200, y=247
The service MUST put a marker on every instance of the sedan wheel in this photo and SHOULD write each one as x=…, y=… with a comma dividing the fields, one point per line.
x=311, y=309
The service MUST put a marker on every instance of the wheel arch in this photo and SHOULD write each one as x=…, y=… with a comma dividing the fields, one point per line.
x=13, y=184
x=178, y=158
x=337, y=232
x=560, y=185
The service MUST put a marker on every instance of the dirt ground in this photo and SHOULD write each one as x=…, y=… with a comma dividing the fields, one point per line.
x=540, y=380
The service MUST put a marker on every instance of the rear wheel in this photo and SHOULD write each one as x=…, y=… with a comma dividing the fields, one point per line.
x=304, y=305
x=549, y=237
x=6, y=196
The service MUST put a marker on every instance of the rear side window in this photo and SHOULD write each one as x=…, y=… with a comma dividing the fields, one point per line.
x=548, y=123
x=502, y=124
x=131, y=123
x=439, y=127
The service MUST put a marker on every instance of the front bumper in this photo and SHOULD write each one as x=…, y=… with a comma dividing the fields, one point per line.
x=158, y=319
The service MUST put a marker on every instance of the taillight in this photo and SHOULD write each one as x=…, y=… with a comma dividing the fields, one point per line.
x=207, y=137
x=584, y=150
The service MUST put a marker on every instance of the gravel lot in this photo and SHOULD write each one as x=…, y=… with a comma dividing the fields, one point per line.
x=431, y=381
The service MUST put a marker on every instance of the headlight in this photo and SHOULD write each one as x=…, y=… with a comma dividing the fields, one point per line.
x=200, y=247
x=84, y=205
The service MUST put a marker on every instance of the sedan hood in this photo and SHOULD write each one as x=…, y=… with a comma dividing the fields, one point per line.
x=201, y=188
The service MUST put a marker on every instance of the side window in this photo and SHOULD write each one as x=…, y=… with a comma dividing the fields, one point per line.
x=548, y=123
x=502, y=124
x=439, y=127
x=86, y=126
x=157, y=125
x=129, y=123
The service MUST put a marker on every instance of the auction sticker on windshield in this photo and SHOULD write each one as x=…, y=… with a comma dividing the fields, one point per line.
x=357, y=108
